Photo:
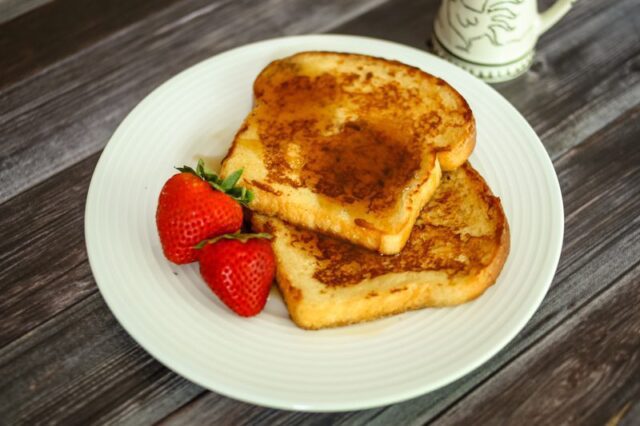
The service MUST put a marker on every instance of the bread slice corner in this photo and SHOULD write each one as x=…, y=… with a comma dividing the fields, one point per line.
x=456, y=251
x=350, y=145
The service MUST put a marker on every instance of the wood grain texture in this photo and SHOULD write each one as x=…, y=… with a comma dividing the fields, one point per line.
x=49, y=243
x=586, y=73
x=78, y=102
x=10, y=9
x=582, y=373
x=83, y=368
x=78, y=24
x=44, y=261
x=64, y=358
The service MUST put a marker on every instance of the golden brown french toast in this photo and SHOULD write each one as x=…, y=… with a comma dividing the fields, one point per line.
x=455, y=252
x=350, y=145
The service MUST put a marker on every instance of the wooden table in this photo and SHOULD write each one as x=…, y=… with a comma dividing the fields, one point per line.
x=70, y=71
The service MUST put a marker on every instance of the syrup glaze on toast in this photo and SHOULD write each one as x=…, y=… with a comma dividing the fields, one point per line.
x=456, y=251
x=355, y=161
x=350, y=145
x=445, y=238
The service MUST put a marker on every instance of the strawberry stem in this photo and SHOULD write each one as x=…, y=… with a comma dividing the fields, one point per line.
x=234, y=236
x=226, y=185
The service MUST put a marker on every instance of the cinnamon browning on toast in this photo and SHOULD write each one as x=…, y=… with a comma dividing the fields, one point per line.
x=455, y=252
x=350, y=145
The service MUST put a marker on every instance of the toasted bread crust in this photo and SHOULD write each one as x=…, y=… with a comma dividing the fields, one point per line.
x=458, y=154
x=336, y=141
x=428, y=273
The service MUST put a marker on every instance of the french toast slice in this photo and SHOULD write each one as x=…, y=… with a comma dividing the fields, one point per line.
x=456, y=250
x=350, y=145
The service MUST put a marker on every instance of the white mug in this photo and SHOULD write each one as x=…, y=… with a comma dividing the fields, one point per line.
x=493, y=39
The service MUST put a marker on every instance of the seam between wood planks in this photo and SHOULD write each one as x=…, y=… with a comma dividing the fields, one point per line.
x=314, y=24
x=593, y=200
x=483, y=382
x=186, y=405
x=18, y=340
x=53, y=280
x=11, y=9
x=107, y=38
x=83, y=153
x=601, y=249
x=205, y=9
x=363, y=8
x=602, y=124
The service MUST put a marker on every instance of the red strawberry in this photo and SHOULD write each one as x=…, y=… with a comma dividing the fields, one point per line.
x=239, y=269
x=191, y=210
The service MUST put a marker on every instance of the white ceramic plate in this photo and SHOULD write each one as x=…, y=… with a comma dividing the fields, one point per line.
x=266, y=360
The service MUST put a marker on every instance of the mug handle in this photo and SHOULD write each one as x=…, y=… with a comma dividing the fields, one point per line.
x=553, y=14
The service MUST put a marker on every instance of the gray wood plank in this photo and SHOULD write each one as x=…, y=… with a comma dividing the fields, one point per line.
x=585, y=372
x=598, y=228
x=44, y=261
x=77, y=103
x=575, y=169
x=585, y=75
x=83, y=368
x=629, y=415
x=10, y=9
x=608, y=231
x=61, y=28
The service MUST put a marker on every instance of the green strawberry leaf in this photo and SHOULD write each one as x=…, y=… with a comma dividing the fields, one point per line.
x=186, y=169
x=216, y=185
x=200, y=168
x=211, y=177
x=226, y=185
x=241, y=194
x=231, y=180
x=237, y=191
x=208, y=175
x=247, y=196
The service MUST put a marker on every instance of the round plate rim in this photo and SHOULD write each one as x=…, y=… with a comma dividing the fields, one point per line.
x=555, y=247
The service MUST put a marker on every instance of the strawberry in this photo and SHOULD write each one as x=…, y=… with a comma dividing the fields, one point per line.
x=239, y=268
x=195, y=205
